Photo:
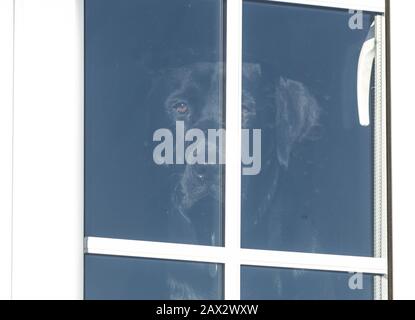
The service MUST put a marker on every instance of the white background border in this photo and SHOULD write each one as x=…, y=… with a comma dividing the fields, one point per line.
x=403, y=147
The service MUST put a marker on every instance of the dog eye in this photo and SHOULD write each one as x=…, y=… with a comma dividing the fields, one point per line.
x=181, y=107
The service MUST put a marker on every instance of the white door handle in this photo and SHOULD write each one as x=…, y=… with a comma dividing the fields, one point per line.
x=364, y=73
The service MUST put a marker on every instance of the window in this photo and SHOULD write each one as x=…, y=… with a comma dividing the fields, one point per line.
x=298, y=211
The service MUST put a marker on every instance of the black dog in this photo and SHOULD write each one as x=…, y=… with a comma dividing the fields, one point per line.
x=282, y=108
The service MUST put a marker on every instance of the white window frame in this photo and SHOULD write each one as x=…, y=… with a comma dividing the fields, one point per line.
x=232, y=256
x=6, y=144
x=47, y=189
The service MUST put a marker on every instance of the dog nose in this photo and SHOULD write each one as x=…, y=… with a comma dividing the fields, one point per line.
x=181, y=108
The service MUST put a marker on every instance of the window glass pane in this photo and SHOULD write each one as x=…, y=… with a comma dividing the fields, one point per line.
x=151, y=65
x=108, y=277
x=313, y=192
x=290, y=284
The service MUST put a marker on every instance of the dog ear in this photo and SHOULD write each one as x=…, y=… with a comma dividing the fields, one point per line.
x=297, y=113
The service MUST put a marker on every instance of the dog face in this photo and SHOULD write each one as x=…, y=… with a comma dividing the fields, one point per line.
x=193, y=95
x=282, y=108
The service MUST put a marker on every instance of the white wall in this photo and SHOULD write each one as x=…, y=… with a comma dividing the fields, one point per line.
x=403, y=146
x=6, y=109
x=48, y=157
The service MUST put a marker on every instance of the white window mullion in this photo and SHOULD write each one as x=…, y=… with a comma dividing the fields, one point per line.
x=380, y=155
x=247, y=257
x=313, y=261
x=233, y=147
x=155, y=250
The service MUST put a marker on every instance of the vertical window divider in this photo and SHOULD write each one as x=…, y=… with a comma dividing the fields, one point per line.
x=233, y=147
x=380, y=163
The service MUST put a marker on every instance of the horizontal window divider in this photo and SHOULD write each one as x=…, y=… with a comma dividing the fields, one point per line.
x=155, y=250
x=247, y=257
x=313, y=261
x=364, y=5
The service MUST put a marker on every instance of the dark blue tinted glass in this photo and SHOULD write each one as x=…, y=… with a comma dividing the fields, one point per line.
x=314, y=192
x=149, y=65
x=287, y=284
x=108, y=277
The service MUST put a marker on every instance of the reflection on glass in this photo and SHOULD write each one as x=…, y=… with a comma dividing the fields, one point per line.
x=116, y=278
x=150, y=65
x=314, y=190
x=288, y=284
